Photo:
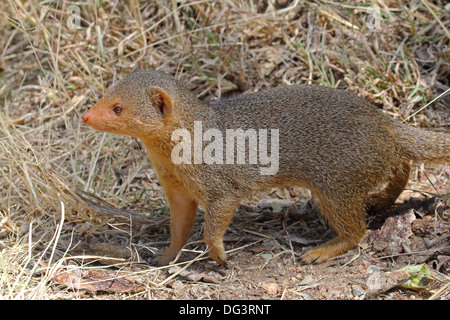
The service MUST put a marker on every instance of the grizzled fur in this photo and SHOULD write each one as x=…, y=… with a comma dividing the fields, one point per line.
x=331, y=141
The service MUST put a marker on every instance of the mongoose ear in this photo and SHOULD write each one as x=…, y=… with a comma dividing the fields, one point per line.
x=162, y=101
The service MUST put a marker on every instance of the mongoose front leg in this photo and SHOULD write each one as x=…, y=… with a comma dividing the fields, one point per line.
x=182, y=213
x=217, y=219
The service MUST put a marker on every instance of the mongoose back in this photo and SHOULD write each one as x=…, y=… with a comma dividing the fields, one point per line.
x=331, y=141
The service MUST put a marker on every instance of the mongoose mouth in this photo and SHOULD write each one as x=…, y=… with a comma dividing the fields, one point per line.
x=85, y=118
x=89, y=118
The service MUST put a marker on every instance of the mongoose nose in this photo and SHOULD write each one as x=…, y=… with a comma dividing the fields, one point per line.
x=85, y=118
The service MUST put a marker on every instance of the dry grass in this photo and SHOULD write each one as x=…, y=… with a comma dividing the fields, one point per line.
x=50, y=74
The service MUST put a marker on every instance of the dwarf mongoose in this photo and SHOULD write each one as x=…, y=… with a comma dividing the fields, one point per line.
x=331, y=141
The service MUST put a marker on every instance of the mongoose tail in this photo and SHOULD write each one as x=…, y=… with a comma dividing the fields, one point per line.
x=422, y=145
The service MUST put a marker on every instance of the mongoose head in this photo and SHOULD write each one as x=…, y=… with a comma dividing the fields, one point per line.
x=139, y=105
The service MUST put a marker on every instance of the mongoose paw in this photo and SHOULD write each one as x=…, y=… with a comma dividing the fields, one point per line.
x=160, y=259
x=312, y=256
x=222, y=261
x=218, y=255
x=327, y=251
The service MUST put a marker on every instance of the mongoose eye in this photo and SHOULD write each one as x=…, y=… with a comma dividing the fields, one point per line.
x=117, y=110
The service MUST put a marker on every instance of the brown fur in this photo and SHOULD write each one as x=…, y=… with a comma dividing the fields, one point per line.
x=331, y=141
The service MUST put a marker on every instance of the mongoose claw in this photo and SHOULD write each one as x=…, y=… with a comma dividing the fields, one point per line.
x=222, y=262
x=153, y=262
x=225, y=264
x=303, y=261
x=218, y=256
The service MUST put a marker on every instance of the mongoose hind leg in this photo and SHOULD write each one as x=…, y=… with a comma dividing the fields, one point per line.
x=182, y=213
x=396, y=184
x=347, y=219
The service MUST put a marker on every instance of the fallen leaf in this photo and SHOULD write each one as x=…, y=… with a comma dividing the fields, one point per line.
x=379, y=282
x=193, y=275
x=97, y=280
x=414, y=277
x=420, y=276
x=393, y=236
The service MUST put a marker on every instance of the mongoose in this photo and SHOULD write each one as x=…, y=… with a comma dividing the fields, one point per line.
x=331, y=141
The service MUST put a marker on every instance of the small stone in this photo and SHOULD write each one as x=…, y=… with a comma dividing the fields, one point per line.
x=178, y=288
x=270, y=288
x=357, y=291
